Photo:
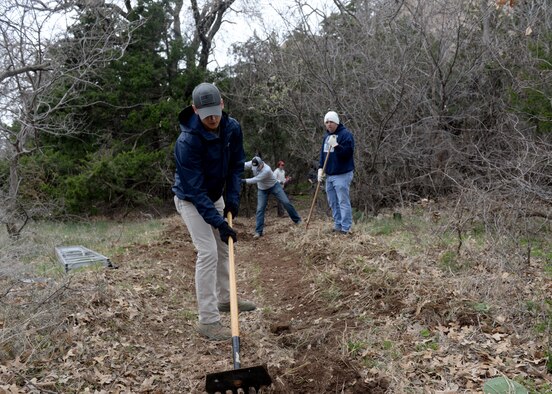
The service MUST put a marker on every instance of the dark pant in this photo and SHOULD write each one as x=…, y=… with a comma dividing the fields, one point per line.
x=280, y=207
x=262, y=199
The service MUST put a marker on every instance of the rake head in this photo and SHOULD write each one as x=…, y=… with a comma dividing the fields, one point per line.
x=235, y=379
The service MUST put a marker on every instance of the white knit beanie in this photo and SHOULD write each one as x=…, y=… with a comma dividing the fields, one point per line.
x=332, y=117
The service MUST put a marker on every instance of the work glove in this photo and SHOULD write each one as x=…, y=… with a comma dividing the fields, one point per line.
x=332, y=141
x=243, y=182
x=320, y=175
x=227, y=232
x=232, y=208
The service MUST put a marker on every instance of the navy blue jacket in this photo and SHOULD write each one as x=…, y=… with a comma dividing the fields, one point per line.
x=341, y=158
x=208, y=165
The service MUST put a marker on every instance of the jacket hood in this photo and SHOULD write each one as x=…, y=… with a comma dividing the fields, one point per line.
x=190, y=122
x=185, y=115
x=340, y=127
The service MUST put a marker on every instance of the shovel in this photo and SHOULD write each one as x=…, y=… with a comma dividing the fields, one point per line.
x=237, y=378
x=317, y=187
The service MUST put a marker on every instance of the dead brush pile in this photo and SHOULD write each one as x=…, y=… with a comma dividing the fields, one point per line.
x=40, y=332
x=418, y=314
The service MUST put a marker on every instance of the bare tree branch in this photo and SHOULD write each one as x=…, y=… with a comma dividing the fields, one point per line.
x=43, y=74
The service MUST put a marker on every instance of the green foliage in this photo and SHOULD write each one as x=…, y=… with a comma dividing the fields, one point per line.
x=533, y=99
x=425, y=333
x=385, y=226
x=535, y=104
x=539, y=248
x=329, y=289
x=332, y=293
x=122, y=180
x=4, y=174
x=387, y=345
x=478, y=230
x=503, y=385
x=185, y=314
x=355, y=347
x=358, y=216
x=449, y=260
x=544, y=311
x=431, y=345
x=543, y=251
x=136, y=104
x=44, y=172
x=122, y=155
x=533, y=387
x=95, y=182
x=481, y=307
x=428, y=343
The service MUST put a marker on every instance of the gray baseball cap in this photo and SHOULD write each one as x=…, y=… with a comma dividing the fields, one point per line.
x=206, y=99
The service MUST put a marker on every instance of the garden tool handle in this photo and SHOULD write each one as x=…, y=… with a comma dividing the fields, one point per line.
x=316, y=191
x=233, y=289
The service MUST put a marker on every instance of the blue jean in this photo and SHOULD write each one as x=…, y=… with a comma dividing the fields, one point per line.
x=262, y=200
x=337, y=190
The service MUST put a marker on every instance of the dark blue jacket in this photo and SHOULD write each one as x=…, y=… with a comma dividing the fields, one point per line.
x=341, y=158
x=208, y=165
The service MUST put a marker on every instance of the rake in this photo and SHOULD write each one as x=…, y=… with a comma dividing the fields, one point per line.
x=238, y=378
x=317, y=187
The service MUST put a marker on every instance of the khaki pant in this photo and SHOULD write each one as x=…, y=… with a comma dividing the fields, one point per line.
x=211, y=273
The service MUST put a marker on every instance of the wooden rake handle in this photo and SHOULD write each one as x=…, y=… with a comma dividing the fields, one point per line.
x=317, y=187
x=234, y=324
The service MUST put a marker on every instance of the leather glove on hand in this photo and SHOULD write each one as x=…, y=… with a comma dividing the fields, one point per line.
x=232, y=208
x=320, y=175
x=227, y=232
x=332, y=141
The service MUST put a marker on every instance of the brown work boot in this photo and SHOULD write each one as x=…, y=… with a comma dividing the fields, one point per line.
x=214, y=331
x=243, y=306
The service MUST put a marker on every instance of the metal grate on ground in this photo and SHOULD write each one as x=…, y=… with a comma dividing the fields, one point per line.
x=72, y=257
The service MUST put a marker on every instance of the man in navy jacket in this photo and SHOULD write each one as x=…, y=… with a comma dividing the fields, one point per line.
x=339, y=144
x=209, y=165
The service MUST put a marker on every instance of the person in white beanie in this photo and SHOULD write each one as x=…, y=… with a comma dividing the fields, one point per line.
x=332, y=117
x=266, y=185
x=338, y=147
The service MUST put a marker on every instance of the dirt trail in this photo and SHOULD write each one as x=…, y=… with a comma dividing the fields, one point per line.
x=139, y=334
x=156, y=323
